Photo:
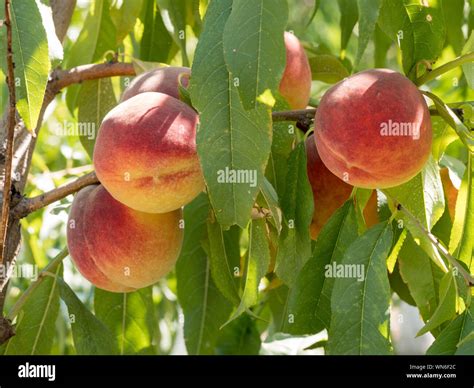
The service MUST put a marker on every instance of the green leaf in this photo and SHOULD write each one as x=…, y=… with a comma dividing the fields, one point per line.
x=454, y=17
x=418, y=30
x=258, y=260
x=421, y=275
x=297, y=205
x=447, y=304
x=124, y=14
x=425, y=34
x=446, y=342
x=468, y=68
x=423, y=197
x=156, y=43
x=466, y=346
x=382, y=44
x=282, y=145
x=317, y=3
x=368, y=15
x=462, y=232
x=443, y=135
x=309, y=303
x=224, y=259
x=205, y=308
x=91, y=336
x=174, y=15
x=270, y=198
x=254, y=49
x=360, y=308
x=129, y=316
x=327, y=68
x=349, y=16
x=98, y=35
x=233, y=144
x=36, y=321
x=30, y=56
x=94, y=101
x=239, y=337
x=453, y=120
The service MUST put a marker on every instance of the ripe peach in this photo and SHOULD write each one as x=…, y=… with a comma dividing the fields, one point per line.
x=162, y=80
x=329, y=192
x=145, y=154
x=117, y=248
x=295, y=85
x=373, y=129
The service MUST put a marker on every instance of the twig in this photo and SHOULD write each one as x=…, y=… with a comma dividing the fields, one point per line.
x=29, y=205
x=441, y=248
x=10, y=135
x=62, y=78
x=431, y=75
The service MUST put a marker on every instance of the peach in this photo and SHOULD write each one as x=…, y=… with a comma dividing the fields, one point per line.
x=162, y=80
x=145, y=154
x=295, y=85
x=329, y=192
x=117, y=248
x=373, y=129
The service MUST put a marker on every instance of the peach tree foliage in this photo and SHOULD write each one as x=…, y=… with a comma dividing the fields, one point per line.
x=248, y=270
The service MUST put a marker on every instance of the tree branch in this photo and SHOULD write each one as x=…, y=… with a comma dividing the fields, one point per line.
x=29, y=205
x=63, y=78
x=10, y=135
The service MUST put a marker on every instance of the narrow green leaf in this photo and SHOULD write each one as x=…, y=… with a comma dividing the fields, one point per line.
x=98, y=35
x=129, y=316
x=368, y=15
x=454, y=18
x=446, y=342
x=254, y=49
x=309, y=303
x=465, y=213
x=349, y=16
x=421, y=275
x=258, y=260
x=423, y=197
x=327, y=68
x=91, y=336
x=36, y=321
x=174, y=14
x=447, y=304
x=124, y=14
x=382, y=44
x=205, y=308
x=466, y=346
x=239, y=337
x=418, y=30
x=360, y=306
x=297, y=205
x=468, y=68
x=94, y=101
x=31, y=58
x=156, y=43
x=224, y=262
x=233, y=144
x=282, y=145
